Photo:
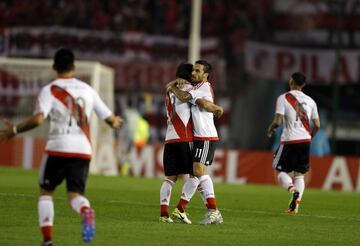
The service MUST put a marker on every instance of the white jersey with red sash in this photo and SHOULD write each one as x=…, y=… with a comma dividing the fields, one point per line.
x=298, y=109
x=179, y=124
x=69, y=104
x=204, y=127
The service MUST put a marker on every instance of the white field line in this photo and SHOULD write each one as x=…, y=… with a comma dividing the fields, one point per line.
x=144, y=204
x=244, y=211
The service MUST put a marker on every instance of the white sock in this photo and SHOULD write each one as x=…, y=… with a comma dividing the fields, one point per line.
x=202, y=194
x=285, y=180
x=207, y=186
x=46, y=211
x=165, y=192
x=300, y=185
x=78, y=202
x=189, y=188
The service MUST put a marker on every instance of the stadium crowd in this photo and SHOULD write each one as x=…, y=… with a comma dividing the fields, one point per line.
x=155, y=17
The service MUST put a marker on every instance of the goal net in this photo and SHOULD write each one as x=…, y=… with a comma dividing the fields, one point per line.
x=20, y=83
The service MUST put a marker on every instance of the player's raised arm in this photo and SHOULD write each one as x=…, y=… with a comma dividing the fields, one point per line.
x=210, y=107
x=11, y=130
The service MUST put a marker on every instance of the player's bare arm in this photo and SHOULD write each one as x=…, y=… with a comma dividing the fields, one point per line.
x=210, y=107
x=180, y=83
x=274, y=125
x=183, y=96
x=169, y=85
x=315, y=127
x=114, y=121
x=177, y=83
x=11, y=130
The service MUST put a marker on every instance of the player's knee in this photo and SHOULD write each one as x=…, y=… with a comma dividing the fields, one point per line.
x=172, y=178
x=199, y=170
x=296, y=174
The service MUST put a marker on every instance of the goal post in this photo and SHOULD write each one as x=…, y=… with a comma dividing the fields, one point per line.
x=20, y=82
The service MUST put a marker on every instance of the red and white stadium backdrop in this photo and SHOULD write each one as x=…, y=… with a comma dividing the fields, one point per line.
x=278, y=62
x=230, y=166
x=140, y=60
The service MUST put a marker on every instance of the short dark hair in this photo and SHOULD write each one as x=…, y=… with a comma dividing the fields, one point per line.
x=299, y=78
x=184, y=71
x=63, y=60
x=207, y=66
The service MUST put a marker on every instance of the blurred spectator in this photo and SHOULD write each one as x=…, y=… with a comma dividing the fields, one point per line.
x=157, y=17
x=142, y=132
x=127, y=135
x=134, y=133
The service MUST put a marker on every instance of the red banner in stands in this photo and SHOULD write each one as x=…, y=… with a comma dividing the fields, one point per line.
x=140, y=60
x=278, y=62
x=104, y=45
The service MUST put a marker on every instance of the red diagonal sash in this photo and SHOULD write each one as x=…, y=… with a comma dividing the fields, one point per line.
x=300, y=111
x=79, y=114
x=180, y=128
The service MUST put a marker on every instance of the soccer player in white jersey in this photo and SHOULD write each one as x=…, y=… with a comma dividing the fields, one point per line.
x=69, y=103
x=177, y=157
x=205, y=138
x=294, y=109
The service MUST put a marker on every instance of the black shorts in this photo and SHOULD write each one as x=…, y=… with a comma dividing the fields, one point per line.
x=177, y=158
x=55, y=169
x=292, y=157
x=203, y=151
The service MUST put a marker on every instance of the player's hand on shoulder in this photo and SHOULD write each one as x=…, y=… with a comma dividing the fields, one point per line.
x=169, y=85
x=181, y=82
x=7, y=131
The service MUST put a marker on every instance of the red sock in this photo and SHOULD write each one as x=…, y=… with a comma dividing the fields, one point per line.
x=164, y=210
x=82, y=209
x=46, y=231
x=181, y=205
x=211, y=203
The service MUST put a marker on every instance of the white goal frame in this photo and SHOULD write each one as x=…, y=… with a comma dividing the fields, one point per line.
x=32, y=74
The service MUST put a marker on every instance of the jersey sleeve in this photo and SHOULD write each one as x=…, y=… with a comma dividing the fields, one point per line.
x=100, y=108
x=204, y=92
x=44, y=102
x=314, y=113
x=280, y=105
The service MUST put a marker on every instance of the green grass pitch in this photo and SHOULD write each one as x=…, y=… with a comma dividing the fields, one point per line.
x=127, y=213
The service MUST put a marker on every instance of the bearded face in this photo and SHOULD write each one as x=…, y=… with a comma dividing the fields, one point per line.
x=198, y=75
